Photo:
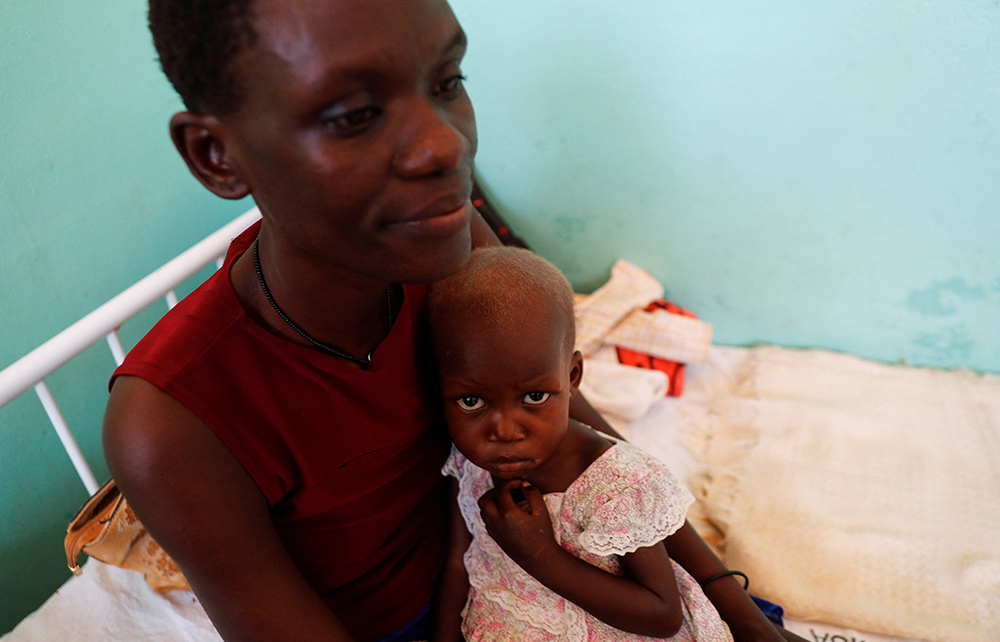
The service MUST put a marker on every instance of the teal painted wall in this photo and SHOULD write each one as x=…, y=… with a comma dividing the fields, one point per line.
x=92, y=197
x=808, y=174
x=803, y=173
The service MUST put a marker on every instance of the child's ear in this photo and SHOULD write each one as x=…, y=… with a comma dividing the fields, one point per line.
x=200, y=140
x=575, y=371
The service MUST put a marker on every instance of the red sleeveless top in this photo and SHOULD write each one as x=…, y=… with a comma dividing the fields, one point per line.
x=349, y=460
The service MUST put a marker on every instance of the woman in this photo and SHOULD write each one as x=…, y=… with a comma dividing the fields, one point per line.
x=273, y=432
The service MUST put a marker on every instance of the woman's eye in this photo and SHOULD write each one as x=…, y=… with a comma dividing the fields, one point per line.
x=535, y=398
x=470, y=402
x=451, y=87
x=355, y=120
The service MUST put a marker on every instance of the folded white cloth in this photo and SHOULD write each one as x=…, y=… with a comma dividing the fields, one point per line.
x=614, y=315
x=621, y=393
x=664, y=335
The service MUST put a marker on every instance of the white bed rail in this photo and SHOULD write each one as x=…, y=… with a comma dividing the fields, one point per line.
x=31, y=370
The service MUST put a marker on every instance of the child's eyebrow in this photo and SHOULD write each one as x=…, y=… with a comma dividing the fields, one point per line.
x=451, y=382
x=541, y=381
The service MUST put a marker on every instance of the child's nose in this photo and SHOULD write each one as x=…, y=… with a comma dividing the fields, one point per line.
x=506, y=428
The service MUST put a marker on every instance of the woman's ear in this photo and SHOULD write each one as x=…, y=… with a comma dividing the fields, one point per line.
x=575, y=371
x=198, y=139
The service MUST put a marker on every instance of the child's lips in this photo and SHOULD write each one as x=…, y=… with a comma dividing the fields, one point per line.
x=509, y=464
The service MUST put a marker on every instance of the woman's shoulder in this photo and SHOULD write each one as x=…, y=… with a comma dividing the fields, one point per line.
x=185, y=332
x=149, y=436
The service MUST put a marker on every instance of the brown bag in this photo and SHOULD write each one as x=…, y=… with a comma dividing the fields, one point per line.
x=108, y=530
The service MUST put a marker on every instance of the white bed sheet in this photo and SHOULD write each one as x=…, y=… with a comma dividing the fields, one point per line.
x=109, y=604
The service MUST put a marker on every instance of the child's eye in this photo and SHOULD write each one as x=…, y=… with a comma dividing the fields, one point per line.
x=535, y=398
x=470, y=402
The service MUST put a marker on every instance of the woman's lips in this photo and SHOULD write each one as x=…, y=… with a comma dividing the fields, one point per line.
x=443, y=224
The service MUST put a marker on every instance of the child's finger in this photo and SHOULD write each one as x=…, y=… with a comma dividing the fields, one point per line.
x=505, y=497
x=488, y=503
x=534, y=498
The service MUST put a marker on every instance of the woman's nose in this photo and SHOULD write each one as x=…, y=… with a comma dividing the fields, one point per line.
x=430, y=143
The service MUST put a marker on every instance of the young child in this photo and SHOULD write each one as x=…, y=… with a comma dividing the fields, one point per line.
x=561, y=526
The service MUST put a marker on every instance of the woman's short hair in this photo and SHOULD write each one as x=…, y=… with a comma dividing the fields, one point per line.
x=197, y=42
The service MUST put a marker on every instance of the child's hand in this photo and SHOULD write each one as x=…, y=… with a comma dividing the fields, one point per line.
x=522, y=529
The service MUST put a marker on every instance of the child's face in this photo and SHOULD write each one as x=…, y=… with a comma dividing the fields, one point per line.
x=506, y=392
x=355, y=134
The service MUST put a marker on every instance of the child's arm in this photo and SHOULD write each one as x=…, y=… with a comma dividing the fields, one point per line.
x=745, y=620
x=645, y=601
x=453, y=585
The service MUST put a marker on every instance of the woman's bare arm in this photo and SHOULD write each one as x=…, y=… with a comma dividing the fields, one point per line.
x=202, y=507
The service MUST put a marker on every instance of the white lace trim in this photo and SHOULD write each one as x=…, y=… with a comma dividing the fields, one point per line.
x=637, y=502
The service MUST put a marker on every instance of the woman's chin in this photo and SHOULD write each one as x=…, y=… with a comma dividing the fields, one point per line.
x=439, y=260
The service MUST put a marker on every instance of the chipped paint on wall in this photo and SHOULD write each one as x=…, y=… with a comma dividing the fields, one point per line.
x=944, y=298
x=567, y=228
x=950, y=344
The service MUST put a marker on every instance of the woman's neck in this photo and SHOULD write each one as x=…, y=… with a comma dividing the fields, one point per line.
x=346, y=311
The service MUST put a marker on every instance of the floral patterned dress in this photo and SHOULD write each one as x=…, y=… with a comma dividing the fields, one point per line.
x=623, y=501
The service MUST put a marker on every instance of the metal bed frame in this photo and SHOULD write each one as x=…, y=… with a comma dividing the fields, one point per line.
x=30, y=371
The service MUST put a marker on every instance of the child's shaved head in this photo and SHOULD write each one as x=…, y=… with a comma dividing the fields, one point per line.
x=497, y=286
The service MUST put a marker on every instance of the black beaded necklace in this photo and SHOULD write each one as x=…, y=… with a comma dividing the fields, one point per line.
x=365, y=362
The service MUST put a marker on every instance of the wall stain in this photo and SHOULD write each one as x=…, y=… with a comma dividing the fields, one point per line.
x=952, y=344
x=569, y=227
x=722, y=303
x=138, y=202
x=940, y=299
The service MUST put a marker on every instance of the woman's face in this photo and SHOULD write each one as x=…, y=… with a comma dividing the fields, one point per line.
x=355, y=134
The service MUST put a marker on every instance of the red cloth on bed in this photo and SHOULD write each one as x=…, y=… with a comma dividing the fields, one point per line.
x=349, y=460
x=673, y=369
